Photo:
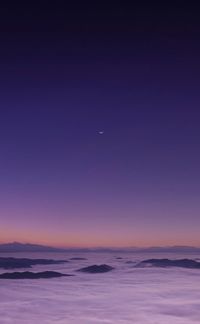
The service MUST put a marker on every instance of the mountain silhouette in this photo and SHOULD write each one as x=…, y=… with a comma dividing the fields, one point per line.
x=32, y=275
x=12, y=263
x=21, y=247
x=162, y=263
x=96, y=268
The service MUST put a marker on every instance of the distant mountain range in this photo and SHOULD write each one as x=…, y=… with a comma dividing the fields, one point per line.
x=21, y=247
x=168, y=249
x=27, y=247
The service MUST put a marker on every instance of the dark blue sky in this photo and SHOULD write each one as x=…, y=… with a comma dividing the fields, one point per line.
x=65, y=76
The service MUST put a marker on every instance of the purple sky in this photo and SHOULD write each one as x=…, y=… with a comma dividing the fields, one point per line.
x=135, y=76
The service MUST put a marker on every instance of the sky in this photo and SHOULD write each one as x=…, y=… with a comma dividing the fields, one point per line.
x=68, y=74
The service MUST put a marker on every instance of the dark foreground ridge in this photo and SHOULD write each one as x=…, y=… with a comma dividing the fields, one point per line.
x=182, y=263
x=97, y=268
x=13, y=263
x=33, y=275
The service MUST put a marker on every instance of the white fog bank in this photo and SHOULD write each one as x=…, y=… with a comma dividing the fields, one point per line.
x=126, y=295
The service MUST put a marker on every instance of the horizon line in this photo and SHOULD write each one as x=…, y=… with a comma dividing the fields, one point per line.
x=102, y=247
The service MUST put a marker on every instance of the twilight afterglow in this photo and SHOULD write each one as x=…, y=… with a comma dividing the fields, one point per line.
x=100, y=148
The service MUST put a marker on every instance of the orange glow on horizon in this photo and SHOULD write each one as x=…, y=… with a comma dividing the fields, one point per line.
x=89, y=241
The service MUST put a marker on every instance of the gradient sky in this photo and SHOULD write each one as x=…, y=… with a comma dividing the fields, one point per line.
x=68, y=74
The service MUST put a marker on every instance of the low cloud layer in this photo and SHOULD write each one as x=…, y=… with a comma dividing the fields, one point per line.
x=126, y=295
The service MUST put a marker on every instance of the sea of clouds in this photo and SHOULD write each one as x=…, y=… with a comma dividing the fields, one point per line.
x=126, y=295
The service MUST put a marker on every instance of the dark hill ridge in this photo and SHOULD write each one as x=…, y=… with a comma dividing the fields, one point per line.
x=33, y=275
x=13, y=263
x=183, y=263
x=96, y=268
